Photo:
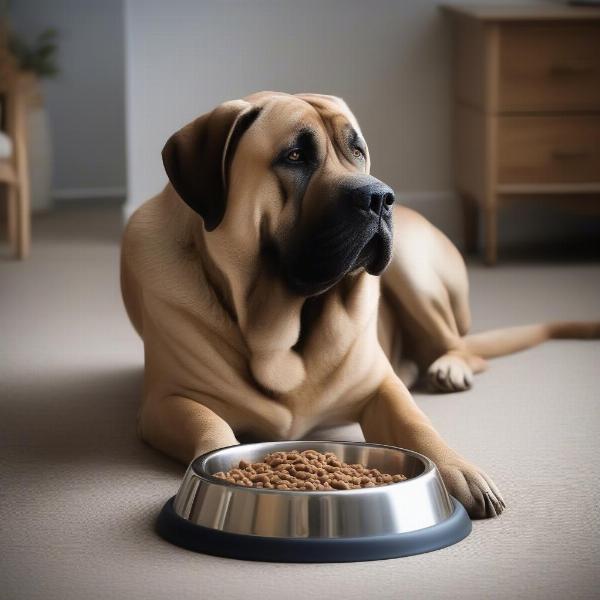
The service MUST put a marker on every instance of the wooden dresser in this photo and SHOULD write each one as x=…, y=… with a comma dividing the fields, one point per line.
x=526, y=110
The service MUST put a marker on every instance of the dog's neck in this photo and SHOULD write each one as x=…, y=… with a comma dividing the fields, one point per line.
x=274, y=322
x=214, y=275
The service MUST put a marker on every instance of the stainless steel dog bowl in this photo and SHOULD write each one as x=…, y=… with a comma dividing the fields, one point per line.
x=214, y=516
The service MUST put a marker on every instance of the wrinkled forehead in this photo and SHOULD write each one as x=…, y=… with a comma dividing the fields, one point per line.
x=284, y=116
x=332, y=110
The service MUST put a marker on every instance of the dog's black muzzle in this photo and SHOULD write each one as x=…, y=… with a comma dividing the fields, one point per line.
x=354, y=232
x=375, y=198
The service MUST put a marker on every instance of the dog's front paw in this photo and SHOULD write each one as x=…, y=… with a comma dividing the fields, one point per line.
x=279, y=371
x=472, y=488
x=450, y=373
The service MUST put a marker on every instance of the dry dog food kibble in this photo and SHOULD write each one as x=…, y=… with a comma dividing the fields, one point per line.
x=308, y=470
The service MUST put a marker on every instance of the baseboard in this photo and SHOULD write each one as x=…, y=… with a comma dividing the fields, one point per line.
x=89, y=193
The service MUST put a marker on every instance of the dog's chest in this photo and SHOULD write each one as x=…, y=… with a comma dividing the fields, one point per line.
x=333, y=324
x=342, y=357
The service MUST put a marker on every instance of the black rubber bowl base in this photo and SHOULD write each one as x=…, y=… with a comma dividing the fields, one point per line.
x=197, y=538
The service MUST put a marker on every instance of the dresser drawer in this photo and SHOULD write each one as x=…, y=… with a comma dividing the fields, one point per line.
x=548, y=149
x=549, y=66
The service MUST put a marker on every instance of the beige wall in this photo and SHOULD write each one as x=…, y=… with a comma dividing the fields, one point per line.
x=385, y=57
x=389, y=59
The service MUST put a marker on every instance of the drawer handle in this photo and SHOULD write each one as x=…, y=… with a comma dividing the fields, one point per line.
x=571, y=70
x=569, y=154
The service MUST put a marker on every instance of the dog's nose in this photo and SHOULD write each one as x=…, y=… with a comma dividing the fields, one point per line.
x=376, y=197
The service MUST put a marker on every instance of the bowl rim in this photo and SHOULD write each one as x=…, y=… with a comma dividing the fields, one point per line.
x=429, y=465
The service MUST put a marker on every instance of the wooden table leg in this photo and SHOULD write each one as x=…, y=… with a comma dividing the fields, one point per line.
x=24, y=202
x=23, y=223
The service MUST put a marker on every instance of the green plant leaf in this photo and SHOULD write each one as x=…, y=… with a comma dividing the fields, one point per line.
x=39, y=57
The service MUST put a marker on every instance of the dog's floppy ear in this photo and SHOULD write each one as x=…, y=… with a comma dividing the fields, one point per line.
x=196, y=158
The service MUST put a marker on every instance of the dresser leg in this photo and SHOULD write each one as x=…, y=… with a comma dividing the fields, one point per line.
x=470, y=223
x=490, y=235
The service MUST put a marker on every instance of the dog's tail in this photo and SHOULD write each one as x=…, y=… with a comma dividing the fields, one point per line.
x=498, y=342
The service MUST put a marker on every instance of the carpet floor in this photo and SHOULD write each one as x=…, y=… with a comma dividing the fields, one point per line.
x=79, y=492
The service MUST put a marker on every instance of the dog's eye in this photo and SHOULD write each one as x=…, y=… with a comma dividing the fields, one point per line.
x=357, y=152
x=295, y=156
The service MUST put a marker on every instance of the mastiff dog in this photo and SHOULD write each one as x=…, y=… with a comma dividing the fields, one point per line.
x=277, y=287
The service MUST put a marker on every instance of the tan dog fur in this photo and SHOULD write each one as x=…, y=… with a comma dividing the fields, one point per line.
x=219, y=331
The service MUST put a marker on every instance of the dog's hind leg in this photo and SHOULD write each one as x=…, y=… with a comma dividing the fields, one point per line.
x=427, y=282
x=182, y=428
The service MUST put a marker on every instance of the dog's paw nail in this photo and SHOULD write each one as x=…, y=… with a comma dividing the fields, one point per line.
x=473, y=489
x=450, y=373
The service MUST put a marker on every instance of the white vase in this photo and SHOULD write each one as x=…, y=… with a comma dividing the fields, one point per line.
x=39, y=146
